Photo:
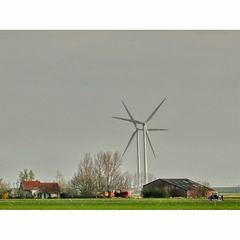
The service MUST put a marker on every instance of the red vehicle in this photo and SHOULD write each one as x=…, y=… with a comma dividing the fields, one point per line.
x=123, y=194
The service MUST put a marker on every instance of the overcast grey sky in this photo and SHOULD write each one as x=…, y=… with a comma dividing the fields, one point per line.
x=59, y=89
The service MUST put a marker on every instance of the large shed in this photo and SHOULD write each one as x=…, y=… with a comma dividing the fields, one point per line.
x=177, y=187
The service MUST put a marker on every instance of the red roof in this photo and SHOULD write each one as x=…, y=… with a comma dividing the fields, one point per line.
x=29, y=185
x=49, y=187
x=45, y=187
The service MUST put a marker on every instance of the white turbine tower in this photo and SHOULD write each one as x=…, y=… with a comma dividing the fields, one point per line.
x=136, y=132
x=146, y=135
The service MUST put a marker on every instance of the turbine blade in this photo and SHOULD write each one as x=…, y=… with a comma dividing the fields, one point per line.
x=130, y=115
x=157, y=129
x=129, y=120
x=149, y=118
x=130, y=140
x=149, y=141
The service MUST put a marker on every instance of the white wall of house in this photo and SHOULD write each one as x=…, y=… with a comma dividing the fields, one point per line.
x=49, y=195
x=36, y=194
x=54, y=195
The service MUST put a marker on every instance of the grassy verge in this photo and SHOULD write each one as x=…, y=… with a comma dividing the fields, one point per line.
x=119, y=204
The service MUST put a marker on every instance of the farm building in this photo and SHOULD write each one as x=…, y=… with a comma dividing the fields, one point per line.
x=37, y=189
x=176, y=187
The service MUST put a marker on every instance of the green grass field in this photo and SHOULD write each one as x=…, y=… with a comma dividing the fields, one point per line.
x=231, y=202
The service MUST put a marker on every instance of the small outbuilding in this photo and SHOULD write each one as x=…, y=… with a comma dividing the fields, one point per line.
x=37, y=189
x=176, y=187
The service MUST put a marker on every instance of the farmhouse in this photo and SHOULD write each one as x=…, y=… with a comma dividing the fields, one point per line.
x=37, y=189
x=176, y=187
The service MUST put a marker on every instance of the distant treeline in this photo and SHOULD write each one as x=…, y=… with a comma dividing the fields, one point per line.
x=227, y=189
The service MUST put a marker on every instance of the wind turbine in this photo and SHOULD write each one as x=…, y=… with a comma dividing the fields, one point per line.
x=146, y=135
x=136, y=132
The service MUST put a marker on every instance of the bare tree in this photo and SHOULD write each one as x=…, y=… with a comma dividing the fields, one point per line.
x=202, y=190
x=66, y=189
x=62, y=183
x=99, y=172
x=111, y=169
x=84, y=180
x=98, y=175
x=4, y=186
x=124, y=182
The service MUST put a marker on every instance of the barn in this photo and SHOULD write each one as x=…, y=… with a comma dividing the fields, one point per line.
x=37, y=189
x=176, y=187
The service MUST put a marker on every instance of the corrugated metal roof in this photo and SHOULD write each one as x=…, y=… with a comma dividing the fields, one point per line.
x=183, y=183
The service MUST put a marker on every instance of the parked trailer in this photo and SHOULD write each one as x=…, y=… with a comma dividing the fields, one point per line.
x=110, y=194
x=126, y=194
x=123, y=194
